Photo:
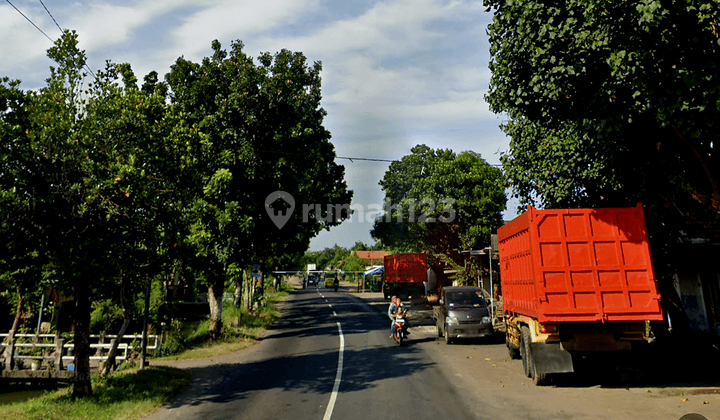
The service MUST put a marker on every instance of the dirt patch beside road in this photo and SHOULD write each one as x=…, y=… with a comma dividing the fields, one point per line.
x=495, y=383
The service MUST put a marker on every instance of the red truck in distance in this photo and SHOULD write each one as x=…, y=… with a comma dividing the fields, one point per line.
x=575, y=282
x=404, y=275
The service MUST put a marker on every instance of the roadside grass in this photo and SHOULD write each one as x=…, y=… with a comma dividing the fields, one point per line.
x=240, y=329
x=132, y=393
x=126, y=394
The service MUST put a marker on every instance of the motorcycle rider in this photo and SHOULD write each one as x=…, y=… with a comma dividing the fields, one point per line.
x=395, y=307
x=392, y=310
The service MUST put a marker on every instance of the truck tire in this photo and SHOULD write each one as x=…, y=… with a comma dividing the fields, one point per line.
x=539, y=379
x=525, y=350
x=512, y=351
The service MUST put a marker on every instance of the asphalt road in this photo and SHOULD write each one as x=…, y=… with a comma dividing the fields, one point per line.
x=330, y=357
x=293, y=372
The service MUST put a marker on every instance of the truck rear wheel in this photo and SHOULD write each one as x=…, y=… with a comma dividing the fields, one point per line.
x=525, y=350
x=512, y=351
x=539, y=379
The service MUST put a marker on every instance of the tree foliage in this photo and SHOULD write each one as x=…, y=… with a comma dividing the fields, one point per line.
x=610, y=103
x=107, y=185
x=440, y=202
x=248, y=116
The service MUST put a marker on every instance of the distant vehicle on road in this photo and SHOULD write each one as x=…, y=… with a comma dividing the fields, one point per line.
x=404, y=275
x=312, y=279
x=463, y=313
x=332, y=280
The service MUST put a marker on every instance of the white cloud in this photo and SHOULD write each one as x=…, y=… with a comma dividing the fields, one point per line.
x=105, y=24
x=21, y=42
x=236, y=20
x=388, y=28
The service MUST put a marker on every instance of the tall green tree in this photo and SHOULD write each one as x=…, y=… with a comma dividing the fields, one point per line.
x=440, y=202
x=94, y=171
x=610, y=103
x=261, y=132
x=21, y=257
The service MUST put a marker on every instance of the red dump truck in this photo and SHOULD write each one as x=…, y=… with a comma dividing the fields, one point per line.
x=575, y=282
x=404, y=275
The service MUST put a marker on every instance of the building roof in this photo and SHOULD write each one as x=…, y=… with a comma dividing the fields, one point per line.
x=371, y=255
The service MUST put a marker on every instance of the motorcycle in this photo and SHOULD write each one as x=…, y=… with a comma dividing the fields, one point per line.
x=401, y=330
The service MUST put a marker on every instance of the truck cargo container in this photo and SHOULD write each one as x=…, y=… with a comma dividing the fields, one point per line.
x=575, y=282
x=404, y=275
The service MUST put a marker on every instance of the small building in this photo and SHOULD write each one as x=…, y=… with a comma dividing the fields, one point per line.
x=372, y=257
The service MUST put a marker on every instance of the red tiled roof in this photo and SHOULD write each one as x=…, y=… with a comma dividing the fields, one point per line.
x=371, y=255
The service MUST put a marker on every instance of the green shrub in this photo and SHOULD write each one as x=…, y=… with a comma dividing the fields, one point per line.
x=106, y=316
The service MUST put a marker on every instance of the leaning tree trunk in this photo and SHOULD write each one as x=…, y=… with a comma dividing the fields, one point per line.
x=110, y=361
x=216, y=288
x=82, y=386
x=16, y=323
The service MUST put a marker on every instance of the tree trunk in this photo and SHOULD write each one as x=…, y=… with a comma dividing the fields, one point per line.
x=16, y=323
x=238, y=292
x=262, y=284
x=249, y=287
x=277, y=279
x=110, y=361
x=216, y=288
x=253, y=293
x=82, y=386
x=143, y=346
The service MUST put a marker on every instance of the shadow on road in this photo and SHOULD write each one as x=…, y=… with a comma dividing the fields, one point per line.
x=662, y=366
x=312, y=372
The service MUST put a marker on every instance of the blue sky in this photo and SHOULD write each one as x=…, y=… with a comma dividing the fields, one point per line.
x=396, y=73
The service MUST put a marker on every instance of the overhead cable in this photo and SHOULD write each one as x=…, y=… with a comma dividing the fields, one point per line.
x=31, y=22
x=43, y=32
x=51, y=16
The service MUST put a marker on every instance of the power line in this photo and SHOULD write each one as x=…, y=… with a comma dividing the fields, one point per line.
x=43, y=32
x=350, y=158
x=31, y=22
x=367, y=159
x=62, y=31
x=497, y=165
x=51, y=16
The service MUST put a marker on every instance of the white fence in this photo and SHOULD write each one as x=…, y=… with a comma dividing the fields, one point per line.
x=59, y=351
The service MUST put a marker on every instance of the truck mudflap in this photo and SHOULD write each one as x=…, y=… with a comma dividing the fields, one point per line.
x=550, y=358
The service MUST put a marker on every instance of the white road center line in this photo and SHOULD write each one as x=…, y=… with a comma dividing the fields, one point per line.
x=338, y=376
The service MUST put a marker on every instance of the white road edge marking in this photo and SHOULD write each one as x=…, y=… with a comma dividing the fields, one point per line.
x=338, y=376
